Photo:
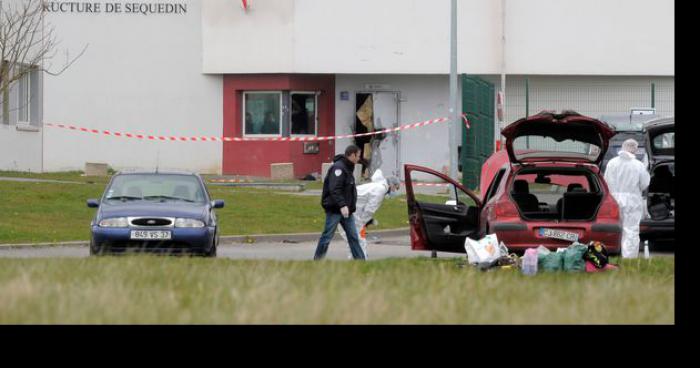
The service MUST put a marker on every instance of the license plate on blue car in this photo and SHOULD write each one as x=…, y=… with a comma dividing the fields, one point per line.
x=558, y=234
x=150, y=235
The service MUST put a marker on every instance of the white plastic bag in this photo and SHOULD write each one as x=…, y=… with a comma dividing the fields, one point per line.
x=485, y=250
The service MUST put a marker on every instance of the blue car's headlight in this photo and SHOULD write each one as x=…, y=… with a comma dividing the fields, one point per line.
x=114, y=222
x=185, y=222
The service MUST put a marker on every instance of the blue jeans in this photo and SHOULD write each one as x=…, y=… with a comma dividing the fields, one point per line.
x=348, y=224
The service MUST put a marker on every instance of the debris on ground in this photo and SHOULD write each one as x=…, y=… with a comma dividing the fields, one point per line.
x=485, y=255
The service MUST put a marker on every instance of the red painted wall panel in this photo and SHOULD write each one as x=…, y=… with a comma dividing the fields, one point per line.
x=254, y=158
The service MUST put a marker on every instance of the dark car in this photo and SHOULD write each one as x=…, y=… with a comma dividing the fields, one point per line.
x=659, y=225
x=550, y=194
x=626, y=126
x=155, y=212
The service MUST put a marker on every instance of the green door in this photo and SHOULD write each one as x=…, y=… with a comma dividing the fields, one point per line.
x=477, y=142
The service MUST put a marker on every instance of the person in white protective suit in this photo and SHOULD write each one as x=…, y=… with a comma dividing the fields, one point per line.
x=627, y=178
x=369, y=198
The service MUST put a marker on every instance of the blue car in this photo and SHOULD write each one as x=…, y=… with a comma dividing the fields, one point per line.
x=155, y=212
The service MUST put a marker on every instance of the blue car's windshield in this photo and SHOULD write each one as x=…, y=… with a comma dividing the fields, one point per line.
x=156, y=187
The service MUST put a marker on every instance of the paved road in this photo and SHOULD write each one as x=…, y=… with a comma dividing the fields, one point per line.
x=387, y=247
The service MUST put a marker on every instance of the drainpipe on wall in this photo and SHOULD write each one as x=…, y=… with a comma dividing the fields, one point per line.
x=41, y=88
x=501, y=122
x=454, y=128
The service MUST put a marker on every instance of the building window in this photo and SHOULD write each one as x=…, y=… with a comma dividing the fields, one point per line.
x=304, y=115
x=24, y=100
x=262, y=113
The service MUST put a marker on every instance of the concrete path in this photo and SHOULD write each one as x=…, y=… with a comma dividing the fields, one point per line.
x=231, y=239
x=382, y=248
x=390, y=247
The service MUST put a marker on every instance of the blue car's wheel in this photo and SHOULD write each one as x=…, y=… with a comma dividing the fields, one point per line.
x=94, y=250
x=211, y=252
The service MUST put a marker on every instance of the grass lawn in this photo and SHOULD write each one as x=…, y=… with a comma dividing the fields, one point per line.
x=180, y=290
x=53, y=212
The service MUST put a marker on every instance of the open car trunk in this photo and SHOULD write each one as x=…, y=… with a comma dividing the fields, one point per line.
x=565, y=137
x=562, y=194
x=661, y=196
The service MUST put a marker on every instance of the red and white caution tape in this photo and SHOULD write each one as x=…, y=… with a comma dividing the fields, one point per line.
x=430, y=184
x=251, y=181
x=230, y=181
x=153, y=137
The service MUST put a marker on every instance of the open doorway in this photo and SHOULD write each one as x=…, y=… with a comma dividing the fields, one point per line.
x=377, y=111
x=364, y=123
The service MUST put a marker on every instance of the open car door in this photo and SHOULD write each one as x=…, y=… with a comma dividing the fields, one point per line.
x=443, y=214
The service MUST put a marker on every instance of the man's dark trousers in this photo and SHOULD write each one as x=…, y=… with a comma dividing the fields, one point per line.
x=348, y=224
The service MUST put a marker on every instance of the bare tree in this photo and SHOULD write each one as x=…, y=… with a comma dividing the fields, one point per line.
x=27, y=44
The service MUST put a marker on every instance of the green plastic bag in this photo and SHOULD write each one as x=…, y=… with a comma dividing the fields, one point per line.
x=573, y=258
x=551, y=262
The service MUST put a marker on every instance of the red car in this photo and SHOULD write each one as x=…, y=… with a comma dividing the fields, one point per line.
x=550, y=193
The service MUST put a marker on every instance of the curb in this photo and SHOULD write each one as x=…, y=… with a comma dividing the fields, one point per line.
x=275, y=186
x=82, y=243
x=30, y=180
x=303, y=237
x=224, y=239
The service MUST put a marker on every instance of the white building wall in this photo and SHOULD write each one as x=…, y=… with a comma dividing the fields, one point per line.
x=394, y=36
x=260, y=40
x=21, y=141
x=20, y=150
x=580, y=37
x=139, y=74
x=143, y=73
x=423, y=97
x=590, y=37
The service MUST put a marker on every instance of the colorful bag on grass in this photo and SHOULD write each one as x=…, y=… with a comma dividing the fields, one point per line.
x=590, y=267
x=597, y=254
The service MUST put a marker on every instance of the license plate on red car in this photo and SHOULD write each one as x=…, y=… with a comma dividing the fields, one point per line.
x=558, y=234
x=150, y=235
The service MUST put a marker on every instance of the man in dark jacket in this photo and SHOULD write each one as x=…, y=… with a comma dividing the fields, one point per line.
x=338, y=200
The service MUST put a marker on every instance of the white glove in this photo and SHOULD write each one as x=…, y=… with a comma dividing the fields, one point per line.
x=345, y=211
x=375, y=222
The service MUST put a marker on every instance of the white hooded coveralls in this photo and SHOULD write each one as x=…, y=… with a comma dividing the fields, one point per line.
x=627, y=178
x=369, y=199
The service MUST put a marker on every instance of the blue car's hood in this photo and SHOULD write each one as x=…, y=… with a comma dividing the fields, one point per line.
x=163, y=209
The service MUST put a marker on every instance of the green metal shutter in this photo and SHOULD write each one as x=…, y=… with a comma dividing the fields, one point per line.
x=470, y=162
x=477, y=142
